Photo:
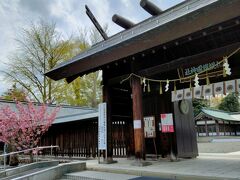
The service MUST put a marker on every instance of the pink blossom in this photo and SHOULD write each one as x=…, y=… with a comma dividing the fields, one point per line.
x=24, y=127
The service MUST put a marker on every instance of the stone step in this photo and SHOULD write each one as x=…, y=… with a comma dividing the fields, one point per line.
x=78, y=178
x=23, y=173
x=95, y=175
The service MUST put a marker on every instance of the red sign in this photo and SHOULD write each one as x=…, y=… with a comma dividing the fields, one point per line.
x=167, y=123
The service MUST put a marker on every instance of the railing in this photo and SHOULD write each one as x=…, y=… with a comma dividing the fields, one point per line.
x=34, y=150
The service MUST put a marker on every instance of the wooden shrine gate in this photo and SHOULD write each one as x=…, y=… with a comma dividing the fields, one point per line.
x=187, y=35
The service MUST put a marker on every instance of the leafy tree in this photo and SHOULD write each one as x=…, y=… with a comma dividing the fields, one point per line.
x=230, y=103
x=198, y=104
x=83, y=91
x=91, y=89
x=15, y=94
x=86, y=90
x=40, y=48
x=22, y=128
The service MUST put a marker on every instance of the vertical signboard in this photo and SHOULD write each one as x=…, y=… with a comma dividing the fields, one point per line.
x=149, y=127
x=102, y=126
x=167, y=123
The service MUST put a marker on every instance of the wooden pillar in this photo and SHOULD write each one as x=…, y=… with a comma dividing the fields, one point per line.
x=217, y=127
x=206, y=127
x=230, y=128
x=224, y=128
x=139, y=140
x=107, y=99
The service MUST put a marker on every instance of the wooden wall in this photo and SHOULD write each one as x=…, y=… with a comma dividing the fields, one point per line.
x=79, y=139
x=74, y=139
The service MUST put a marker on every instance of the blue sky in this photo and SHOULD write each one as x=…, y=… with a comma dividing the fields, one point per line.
x=69, y=16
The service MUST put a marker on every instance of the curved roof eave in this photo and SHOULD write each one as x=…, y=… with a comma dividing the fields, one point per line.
x=127, y=43
x=216, y=114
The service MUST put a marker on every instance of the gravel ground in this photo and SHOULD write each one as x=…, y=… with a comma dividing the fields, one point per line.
x=206, y=146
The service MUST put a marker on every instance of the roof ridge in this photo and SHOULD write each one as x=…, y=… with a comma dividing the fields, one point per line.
x=50, y=105
x=218, y=110
x=211, y=109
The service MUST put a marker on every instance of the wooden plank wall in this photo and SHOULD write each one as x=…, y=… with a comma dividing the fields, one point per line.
x=74, y=139
x=79, y=139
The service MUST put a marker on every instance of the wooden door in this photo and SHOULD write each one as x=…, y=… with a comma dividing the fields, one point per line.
x=186, y=140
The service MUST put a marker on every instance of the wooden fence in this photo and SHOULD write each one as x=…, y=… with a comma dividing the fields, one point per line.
x=80, y=139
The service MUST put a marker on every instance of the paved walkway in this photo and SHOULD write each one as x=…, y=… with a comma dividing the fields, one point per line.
x=206, y=166
x=100, y=175
x=93, y=175
x=219, y=146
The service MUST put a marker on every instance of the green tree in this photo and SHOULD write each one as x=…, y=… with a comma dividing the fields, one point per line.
x=14, y=93
x=91, y=89
x=85, y=90
x=230, y=103
x=40, y=48
x=198, y=104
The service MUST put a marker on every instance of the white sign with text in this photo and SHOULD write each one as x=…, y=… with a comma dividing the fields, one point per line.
x=149, y=127
x=102, y=126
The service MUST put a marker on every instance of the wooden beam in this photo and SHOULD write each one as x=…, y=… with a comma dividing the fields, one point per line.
x=191, y=60
x=96, y=23
x=138, y=118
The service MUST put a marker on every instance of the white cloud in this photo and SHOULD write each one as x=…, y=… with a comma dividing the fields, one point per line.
x=10, y=21
x=101, y=9
x=127, y=3
x=4, y=86
x=62, y=12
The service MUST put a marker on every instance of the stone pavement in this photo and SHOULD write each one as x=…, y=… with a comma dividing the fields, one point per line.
x=206, y=166
x=99, y=175
x=220, y=146
x=94, y=175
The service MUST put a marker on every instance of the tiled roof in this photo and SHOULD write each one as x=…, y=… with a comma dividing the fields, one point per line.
x=219, y=115
x=66, y=113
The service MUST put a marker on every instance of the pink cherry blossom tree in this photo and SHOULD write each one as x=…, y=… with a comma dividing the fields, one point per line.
x=23, y=127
